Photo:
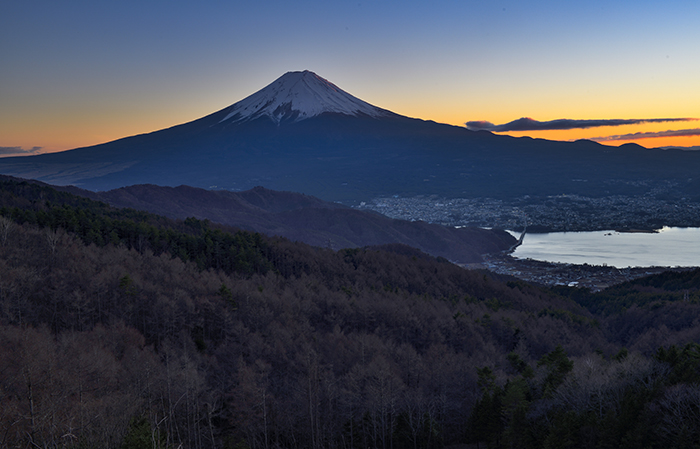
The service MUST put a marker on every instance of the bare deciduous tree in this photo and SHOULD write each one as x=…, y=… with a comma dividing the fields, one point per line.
x=6, y=226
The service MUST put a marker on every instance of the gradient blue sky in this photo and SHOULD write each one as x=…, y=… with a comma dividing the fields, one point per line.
x=78, y=73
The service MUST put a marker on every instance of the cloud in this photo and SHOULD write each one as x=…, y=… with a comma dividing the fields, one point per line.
x=528, y=124
x=695, y=148
x=18, y=151
x=650, y=135
x=479, y=125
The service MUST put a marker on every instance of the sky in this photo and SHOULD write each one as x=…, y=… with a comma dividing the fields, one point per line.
x=79, y=73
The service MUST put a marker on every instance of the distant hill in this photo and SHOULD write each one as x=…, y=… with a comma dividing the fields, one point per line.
x=308, y=219
x=291, y=215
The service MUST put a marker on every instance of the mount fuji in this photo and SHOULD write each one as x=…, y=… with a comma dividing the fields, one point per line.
x=304, y=134
x=297, y=96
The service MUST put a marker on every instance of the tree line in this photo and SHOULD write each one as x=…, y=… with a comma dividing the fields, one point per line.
x=187, y=334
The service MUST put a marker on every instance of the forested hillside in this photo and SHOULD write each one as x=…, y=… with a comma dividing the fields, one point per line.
x=303, y=218
x=121, y=329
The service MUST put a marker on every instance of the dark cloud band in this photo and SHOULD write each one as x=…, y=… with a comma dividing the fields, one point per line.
x=528, y=124
x=650, y=135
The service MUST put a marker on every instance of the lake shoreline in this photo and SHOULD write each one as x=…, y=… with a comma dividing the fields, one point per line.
x=664, y=247
x=593, y=277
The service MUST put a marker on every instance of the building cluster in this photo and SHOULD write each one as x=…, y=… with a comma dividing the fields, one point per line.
x=547, y=214
x=593, y=277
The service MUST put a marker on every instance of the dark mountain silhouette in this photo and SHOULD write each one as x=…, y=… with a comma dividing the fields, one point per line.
x=304, y=134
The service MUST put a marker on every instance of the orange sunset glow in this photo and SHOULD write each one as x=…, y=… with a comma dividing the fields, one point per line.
x=78, y=79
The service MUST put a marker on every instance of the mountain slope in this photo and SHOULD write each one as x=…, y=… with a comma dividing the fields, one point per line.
x=303, y=134
x=307, y=219
x=105, y=331
x=291, y=215
x=297, y=96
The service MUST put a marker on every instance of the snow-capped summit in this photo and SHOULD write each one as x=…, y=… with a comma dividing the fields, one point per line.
x=297, y=96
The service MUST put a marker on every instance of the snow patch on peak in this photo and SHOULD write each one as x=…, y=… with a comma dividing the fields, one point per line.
x=297, y=96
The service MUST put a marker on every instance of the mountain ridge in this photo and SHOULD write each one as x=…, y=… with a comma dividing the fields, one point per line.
x=350, y=158
x=308, y=219
x=295, y=216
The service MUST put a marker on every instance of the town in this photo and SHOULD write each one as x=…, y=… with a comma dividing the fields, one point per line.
x=546, y=214
x=592, y=277
x=551, y=214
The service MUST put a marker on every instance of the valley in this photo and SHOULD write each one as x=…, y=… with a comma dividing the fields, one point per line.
x=561, y=213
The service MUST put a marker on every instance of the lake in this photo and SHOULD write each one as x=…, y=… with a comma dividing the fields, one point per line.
x=669, y=247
